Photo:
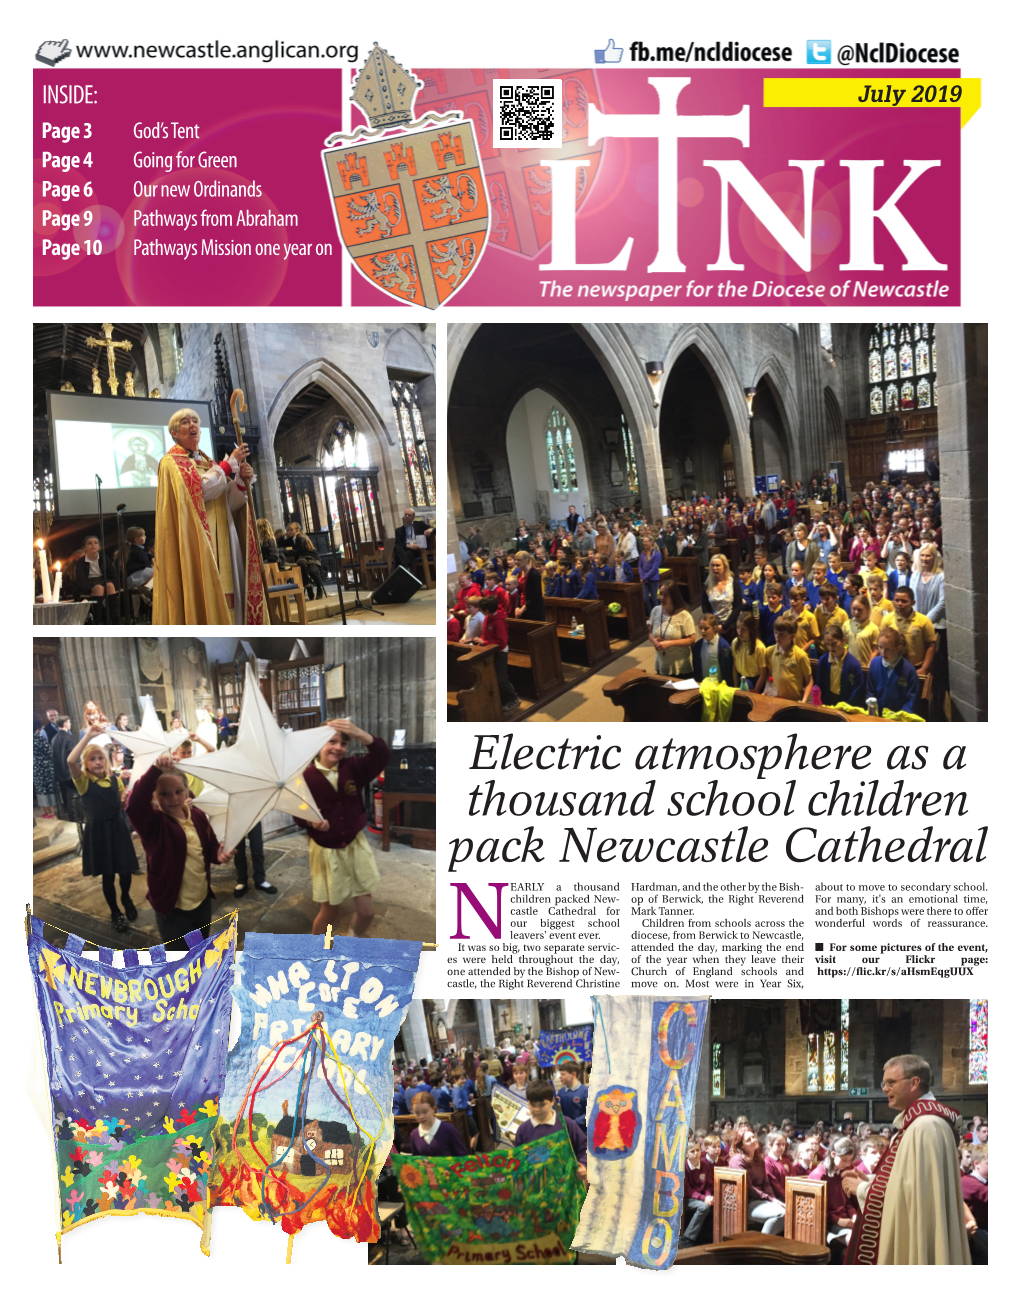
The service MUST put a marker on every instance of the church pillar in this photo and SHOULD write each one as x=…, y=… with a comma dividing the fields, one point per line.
x=258, y=401
x=808, y=454
x=702, y=1115
x=415, y=1032
x=452, y=538
x=963, y=461
x=653, y=482
x=483, y=1014
x=102, y=670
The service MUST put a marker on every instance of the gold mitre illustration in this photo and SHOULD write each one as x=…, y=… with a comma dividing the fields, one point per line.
x=384, y=91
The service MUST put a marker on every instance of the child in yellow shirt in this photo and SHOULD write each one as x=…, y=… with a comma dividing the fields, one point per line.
x=861, y=632
x=880, y=605
x=788, y=665
x=828, y=611
x=807, y=626
x=749, y=654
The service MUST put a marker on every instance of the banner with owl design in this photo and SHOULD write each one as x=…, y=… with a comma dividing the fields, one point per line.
x=135, y=1057
x=641, y=1105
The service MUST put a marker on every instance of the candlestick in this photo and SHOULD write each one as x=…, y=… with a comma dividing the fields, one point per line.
x=57, y=585
x=44, y=572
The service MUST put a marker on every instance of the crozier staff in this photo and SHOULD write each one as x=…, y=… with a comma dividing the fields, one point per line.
x=208, y=561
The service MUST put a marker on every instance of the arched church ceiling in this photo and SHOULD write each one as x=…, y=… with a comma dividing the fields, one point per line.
x=60, y=355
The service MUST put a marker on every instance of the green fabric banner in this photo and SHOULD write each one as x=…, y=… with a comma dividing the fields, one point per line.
x=515, y=1206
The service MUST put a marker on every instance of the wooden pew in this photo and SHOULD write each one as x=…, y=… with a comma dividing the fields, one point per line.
x=631, y=623
x=731, y=549
x=729, y=1206
x=751, y=1248
x=686, y=570
x=591, y=617
x=643, y=697
x=472, y=692
x=806, y=1208
x=533, y=662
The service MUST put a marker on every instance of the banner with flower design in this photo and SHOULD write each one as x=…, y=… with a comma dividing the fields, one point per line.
x=306, y=1114
x=135, y=1057
x=516, y=1206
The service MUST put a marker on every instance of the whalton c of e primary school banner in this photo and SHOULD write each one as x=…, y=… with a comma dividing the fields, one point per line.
x=640, y=1108
x=508, y=1207
x=555, y=1047
x=306, y=1115
x=135, y=1057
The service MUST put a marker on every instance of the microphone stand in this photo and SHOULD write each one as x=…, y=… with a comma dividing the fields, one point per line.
x=124, y=598
x=102, y=546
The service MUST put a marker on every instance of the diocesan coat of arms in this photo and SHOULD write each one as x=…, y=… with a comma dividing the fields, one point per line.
x=409, y=196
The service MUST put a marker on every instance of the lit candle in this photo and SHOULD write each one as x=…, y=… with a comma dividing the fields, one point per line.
x=44, y=572
x=57, y=584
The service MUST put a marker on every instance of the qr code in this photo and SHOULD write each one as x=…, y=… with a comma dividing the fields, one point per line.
x=528, y=114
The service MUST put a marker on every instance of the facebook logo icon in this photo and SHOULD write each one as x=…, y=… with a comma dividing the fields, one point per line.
x=819, y=52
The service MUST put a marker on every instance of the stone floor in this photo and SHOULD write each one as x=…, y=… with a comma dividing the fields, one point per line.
x=418, y=611
x=405, y=898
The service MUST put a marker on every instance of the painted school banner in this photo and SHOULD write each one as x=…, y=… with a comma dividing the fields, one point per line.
x=135, y=1057
x=510, y=1207
x=556, y=1047
x=640, y=1108
x=306, y=1114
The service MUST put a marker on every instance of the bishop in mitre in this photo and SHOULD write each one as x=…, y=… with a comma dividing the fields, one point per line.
x=208, y=563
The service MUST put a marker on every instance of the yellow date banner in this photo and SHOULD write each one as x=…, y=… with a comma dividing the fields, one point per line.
x=875, y=92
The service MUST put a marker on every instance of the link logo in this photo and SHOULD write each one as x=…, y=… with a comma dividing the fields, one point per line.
x=819, y=52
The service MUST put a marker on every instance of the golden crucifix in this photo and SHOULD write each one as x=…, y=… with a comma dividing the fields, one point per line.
x=111, y=353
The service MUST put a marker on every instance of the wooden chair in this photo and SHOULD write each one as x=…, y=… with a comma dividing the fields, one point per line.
x=472, y=691
x=533, y=661
x=590, y=615
x=373, y=564
x=729, y=1208
x=280, y=591
x=806, y=1208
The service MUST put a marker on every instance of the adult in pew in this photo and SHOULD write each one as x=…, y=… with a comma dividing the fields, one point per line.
x=672, y=632
x=891, y=678
x=912, y=1211
x=94, y=575
x=841, y=1210
x=721, y=595
x=802, y=548
x=712, y=651
x=405, y=547
x=432, y=1137
x=532, y=605
x=494, y=632
x=840, y=674
x=696, y=545
x=763, y=1208
x=648, y=571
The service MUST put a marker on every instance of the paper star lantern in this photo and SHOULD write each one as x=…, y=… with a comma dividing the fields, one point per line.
x=264, y=770
x=148, y=742
x=214, y=802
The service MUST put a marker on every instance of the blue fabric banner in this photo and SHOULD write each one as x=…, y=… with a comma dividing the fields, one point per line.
x=555, y=1047
x=306, y=1114
x=135, y=1057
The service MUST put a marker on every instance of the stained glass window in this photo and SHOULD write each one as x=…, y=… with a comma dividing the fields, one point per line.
x=717, y=1076
x=829, y=1060
x=844, y=1044
x=978, y=1071
x=628, y=452
x=413, y=448
x=812, y=1062
x=897, y=355
x=554, y=471
x=571, y=465
x=347, y=449
x=906, y=461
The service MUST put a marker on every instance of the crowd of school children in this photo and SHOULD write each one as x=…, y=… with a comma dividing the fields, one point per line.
x=830, y=603
x=772, y=1152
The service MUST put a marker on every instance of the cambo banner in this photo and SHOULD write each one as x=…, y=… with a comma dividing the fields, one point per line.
x=640, y=1107
x=510, y=1207
x=135, y=1057
x=556, y=1047
x=306, y=1114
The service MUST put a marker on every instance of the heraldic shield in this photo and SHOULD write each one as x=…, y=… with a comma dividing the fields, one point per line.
x=411, y=208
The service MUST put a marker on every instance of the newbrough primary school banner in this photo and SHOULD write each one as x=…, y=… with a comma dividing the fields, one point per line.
x=640, y=1108
x=306, y=1115
x=510, y=1207
x=135, y=1057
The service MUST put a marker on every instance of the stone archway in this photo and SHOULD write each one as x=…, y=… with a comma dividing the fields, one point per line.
x=379, y=432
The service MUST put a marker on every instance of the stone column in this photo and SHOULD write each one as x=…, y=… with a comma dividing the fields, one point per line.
x=483, y=1016
x=808, y=454
x=415, y=1032
x=702, y=1115
x=452, y=537
x=963, y=460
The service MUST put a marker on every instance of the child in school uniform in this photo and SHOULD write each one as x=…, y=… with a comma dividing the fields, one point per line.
x=770, y=574
x=493, y=590
x=622, y=570
x=106, y=848
x=814, y=584
x=748, y=585
x=771, y=609
x=891, y=679
x=749, y=654
x=699, y=1186
x=494, y=631
x=807, y=627
x=712, y=650
x=861, y=632
x=899, y=575
x=453, y=627
x=551, y=580
x=852, y=587
x=840, y=675
x=796, y=581
x=513, y=595
x=828, y=612
x=583, y=580
x=788, y=665
x=474, y=619
x=880, y=605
